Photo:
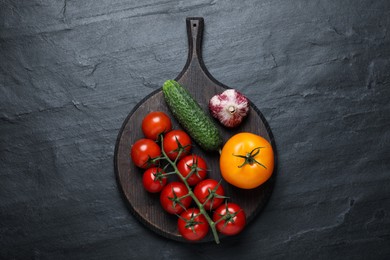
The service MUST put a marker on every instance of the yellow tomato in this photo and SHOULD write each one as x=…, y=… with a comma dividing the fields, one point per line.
x=247, y=160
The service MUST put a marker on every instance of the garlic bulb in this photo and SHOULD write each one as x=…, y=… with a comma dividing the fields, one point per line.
x=230, y=107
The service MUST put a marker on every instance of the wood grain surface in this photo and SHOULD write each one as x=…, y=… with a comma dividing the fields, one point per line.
x=202, y=86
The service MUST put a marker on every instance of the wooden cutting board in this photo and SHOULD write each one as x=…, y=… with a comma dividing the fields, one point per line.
x=198, y=81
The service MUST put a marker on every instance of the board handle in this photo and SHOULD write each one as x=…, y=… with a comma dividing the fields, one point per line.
x=195, y=26
x=195, y=68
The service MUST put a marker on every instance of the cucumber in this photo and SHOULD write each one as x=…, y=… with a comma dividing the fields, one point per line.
x=191, y=116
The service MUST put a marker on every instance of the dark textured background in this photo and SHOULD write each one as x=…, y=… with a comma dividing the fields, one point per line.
x=71, y=71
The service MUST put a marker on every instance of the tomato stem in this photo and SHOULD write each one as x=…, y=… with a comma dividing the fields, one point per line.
x=190, y=192
x=249, y=158
x=213, y=195
x=169, y=173
x=190, y=173
x=184, y=196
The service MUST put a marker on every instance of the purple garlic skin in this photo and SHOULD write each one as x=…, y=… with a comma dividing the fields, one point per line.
x=230, y=107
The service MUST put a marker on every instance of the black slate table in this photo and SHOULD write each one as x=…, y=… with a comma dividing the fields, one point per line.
x=71, y=71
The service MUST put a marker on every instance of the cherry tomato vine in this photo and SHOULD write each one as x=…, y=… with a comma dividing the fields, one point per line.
x=171, y=151
x=190, y=192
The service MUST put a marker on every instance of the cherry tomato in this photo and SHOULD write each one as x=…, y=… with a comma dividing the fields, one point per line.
x=174, y=198
x=194, y=165
x=174, y=141
x=247, y=160
x=154, y=179
x=210, y=193
x=143, y=152
x=234, y=219
x=192, y=225
x=156, y=123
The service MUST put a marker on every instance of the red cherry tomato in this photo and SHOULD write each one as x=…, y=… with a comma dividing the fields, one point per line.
x=174, y=198
x=235, y=219
x=192, y=225
x=143, y=152
x=194, y=165
x=174, y=141
x=209, y=192
x=156, y=123
x=154, y=179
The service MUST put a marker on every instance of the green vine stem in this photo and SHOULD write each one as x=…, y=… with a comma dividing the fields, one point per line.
x=190, y=192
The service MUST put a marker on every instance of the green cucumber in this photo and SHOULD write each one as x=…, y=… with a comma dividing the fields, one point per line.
x=191, y=116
